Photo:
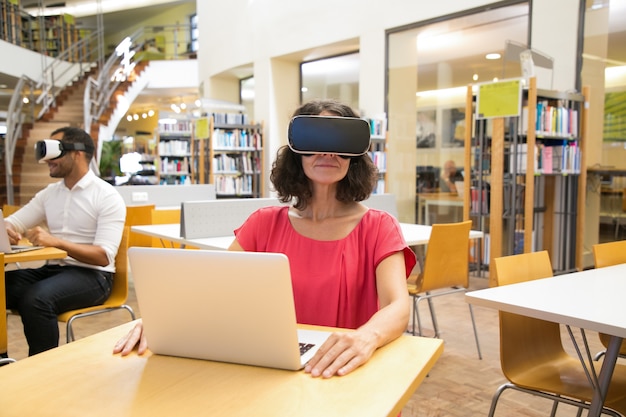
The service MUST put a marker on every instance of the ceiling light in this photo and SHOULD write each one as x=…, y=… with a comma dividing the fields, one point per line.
x=135, y=116
x=25, y=100
x=493, y=55
x=183, y=106
x=150, y=113
x=129, y=118
x=144, y=115
x=475, y=77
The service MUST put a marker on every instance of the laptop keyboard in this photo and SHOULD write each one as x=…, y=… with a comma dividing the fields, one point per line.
x=305, y=347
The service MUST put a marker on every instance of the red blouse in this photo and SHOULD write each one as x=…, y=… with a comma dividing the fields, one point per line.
x=334, y=282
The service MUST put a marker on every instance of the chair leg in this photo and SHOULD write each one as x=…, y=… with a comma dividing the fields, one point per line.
x=433, y=317
x=496, y=397
x=480, y=356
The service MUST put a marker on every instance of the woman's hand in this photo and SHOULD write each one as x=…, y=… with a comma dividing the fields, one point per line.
x=342, y=353
x=127, y=343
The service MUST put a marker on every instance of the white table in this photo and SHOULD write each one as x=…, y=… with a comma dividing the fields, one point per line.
x=414, y=234
x=591, y=299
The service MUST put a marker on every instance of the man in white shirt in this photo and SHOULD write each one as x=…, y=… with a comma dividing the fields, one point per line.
x=85, y=217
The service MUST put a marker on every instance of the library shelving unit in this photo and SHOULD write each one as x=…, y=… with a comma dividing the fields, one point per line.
x=228, y=152
x=174, y=152
x=11, y=21
x=527, y=188
x=378, y=150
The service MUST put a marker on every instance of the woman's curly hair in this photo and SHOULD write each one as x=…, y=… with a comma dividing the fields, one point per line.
x=290, y=182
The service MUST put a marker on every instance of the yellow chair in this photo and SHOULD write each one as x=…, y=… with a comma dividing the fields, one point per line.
x=446, y=268
x=138, y=216
x=607, y=254
x=532, y=357
x=8, y=209
x=166, y=216
x=117, y=298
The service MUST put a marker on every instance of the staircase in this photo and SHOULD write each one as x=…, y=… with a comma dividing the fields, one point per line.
x=33, y=175
x=29, y=176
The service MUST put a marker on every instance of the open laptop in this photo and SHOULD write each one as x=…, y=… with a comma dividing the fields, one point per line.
x=5, y=243
x=222, y=306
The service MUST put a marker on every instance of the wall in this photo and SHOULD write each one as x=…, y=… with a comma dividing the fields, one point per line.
x=274, y=36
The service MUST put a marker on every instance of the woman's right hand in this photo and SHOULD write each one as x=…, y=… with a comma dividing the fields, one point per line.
x=135, y=337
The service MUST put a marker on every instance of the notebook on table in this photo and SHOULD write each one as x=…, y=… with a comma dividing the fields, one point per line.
x=222, y=306
x=5, y=243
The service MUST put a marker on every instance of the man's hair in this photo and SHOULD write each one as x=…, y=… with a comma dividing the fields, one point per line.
x=77, y=135
x=290, y=182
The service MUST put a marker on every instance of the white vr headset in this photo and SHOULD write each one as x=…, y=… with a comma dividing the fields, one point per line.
x=49, y=149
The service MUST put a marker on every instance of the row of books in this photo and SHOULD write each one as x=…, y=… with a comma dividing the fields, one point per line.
x=378, y=127
x=247, y=163
x=380, y=160
x=552, y=120
x=231, y=118
x=179, y=127
x=229, y=185
x=174, y=148
x=236, y=139
x=564, y=159
x=174, y=167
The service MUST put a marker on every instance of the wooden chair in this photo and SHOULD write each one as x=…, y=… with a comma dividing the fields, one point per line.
x=532, y=356
x=169, y=216
x=137, y=216
x=607, y=254
x=3, y=321
x=117, y=298
x=8, y=209
x=446, y=268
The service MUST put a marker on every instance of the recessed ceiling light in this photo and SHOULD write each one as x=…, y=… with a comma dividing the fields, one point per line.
x=493, y=55
x=475, y=77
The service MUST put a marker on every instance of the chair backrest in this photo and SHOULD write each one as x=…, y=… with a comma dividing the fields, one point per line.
x=136, y=216
x=610, y=253
x=164, y=216
x=119, y=292
x=8, y=209
x=525, y=341
x=447, y=257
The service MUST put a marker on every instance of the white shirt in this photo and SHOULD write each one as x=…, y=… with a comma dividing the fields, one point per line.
x=92, y=213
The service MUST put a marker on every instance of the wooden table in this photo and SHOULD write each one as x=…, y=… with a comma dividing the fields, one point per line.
x=414, y=234
x=591, y=299
x=84, y=378
x=42, y=254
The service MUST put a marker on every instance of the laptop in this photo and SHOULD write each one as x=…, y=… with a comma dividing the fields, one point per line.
x=222, y=306
x=5, y=243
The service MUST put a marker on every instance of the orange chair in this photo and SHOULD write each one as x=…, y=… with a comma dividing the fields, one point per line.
x=117, y=298
x=137, y=216
x=532, y=356
x=607, y=254
x=446, y=268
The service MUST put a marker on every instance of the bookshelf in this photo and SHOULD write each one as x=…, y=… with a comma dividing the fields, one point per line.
x=174, y=152
x=527, y=188
x=228, y=152
x=11, y=21
x=378, y=150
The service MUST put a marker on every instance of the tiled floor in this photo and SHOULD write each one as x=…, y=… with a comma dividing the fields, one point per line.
x=459, y=385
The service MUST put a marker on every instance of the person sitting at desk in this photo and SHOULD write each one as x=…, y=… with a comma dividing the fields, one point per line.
x=349, y=264
x=85, y=217
x=449, y=176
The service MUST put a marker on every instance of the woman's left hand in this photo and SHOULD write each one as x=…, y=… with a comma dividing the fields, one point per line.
x=342, y=353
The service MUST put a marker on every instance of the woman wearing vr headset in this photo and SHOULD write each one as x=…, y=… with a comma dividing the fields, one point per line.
x=348, y=263
x=85, y=217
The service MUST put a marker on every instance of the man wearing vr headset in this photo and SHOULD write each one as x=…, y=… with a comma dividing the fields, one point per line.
x=348, y=263
x=85, y=217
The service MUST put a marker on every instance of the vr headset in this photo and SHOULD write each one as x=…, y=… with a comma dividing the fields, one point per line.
x=345, y=136
x=49, y=149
